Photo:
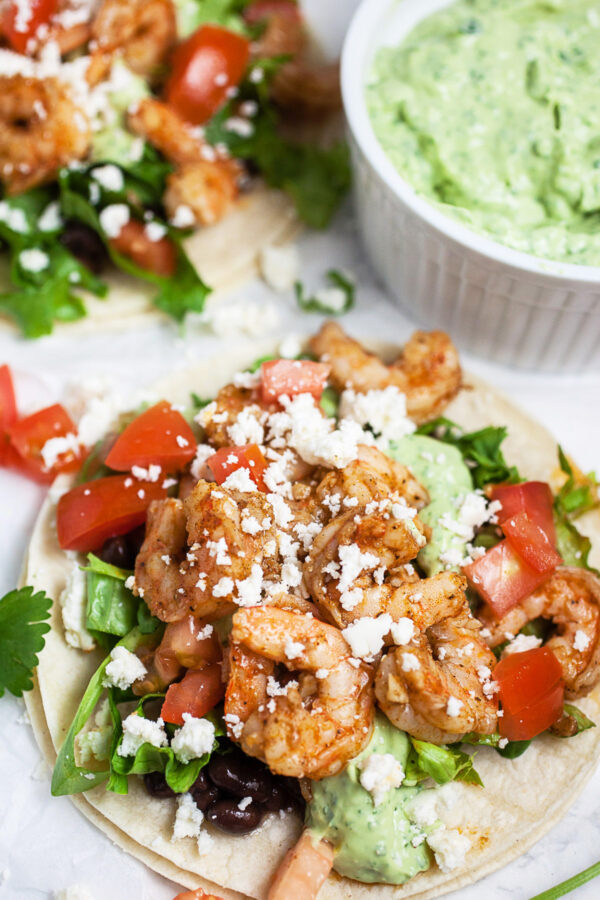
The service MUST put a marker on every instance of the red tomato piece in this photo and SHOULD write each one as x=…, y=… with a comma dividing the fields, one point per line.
x=534, y=498
x=502, y=578
x=8, y=414
x=531, y=543
x=90, y=513
x=291, y=377
x=197, y=693
x=158, y=257
x=28, y=437
x=20, y=29
x=531, y=691
x=205, y=66
x=159, y=436
x=182, y=647
x=265, y=9
x=229, y=459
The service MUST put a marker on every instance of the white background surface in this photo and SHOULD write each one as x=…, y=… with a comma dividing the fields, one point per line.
x=45, y=844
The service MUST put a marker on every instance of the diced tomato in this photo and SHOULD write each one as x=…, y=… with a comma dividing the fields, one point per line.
x=181, y=646
x=531, y=543
x=531, y=691
x=8, y=413
x=291, y=377
x=90, y=513
x=160, y=436
x=205, y=66
x=29, y=435
x=158, y=257
x=265, y=9
x=502, y=578
x=229, y=459
x=197, y=693
x=534, y=498
x=19, y=28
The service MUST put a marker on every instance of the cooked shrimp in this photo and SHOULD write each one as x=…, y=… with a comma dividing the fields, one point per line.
x=373, y=476
x=427, y=372
x=196, y=556
x=41, y=129
x=303, y=871
x=570, y=599
x=218, y=417
x=354, y=554
x=315, y=723
x=143, y=30
x=434, y=687
x=204, y=182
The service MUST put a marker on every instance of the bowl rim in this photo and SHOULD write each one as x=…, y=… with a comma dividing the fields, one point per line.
x=356, y=44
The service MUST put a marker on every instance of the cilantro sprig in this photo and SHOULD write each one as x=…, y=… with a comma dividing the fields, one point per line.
x=22, y=629
x=334, y=300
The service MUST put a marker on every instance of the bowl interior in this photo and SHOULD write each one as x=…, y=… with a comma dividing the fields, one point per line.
x=379, y=23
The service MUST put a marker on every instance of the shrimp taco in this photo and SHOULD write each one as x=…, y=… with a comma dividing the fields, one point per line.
x=146, y=152
x=325, y=626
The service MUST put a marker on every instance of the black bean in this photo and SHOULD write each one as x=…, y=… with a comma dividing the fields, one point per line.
x=85, y=245
x=204, y=792
x=157, y=786
x=116, y=552
x=227, y=816
x=241, y=776
x=279, y=799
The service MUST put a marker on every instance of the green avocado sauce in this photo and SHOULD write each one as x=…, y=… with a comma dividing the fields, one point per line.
x=114, y=143
x=491, y=109
x=441, y=469
x=372, y=843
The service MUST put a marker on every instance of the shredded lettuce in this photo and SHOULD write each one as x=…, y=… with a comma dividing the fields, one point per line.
x=441, y=763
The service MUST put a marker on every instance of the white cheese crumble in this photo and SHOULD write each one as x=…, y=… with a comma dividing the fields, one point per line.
x=154, y=231
x=74, y=892
x=353, y=562
x=152, y=473
x=381, y=773
x=33, y=260
x=138, y=731
x=384, y=410
x=453, y=707
x=293, y=649
x=240, y=480
x=109, y=177
x=521, y=643
x=195, y=738
x=183, y=217
x=50, y=219
x=244, y=803
x=249, y=589
x=314, y=437
x=582, y=641
x=113, y=218
x=56, y=447
x=123, y=669
x=188, y=818
x=203, y=454
x=223, y=587
x=410, y=663
x=73, y=603
x=280, y=266
x=366, y=635
x=402, y=631
x=449, y=848
x=234, y=724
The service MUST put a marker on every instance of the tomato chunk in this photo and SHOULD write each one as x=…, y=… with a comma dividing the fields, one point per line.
x=291, y=377
x=502, y=578
x=8, y=414
x=531, y=691
x=19, y=28
x=159, y=436
x=158, y=257
x=90, y=513
x=229, y=459
x=531, y=543
x=534, y=498
x=205, y=66
x=28, y=438
x=197, y=693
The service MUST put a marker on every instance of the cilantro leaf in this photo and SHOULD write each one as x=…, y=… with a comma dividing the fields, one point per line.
x=334, y=300
x=22, y=630
x=575, y=497
x=481, y=450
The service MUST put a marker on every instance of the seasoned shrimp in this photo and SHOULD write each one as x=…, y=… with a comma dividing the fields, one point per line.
x=197, y=557
x=143, y=30
x=204, y=182
x=354, y=554
x=303, y=871
x=428, y=370
x=220, y=415
x=570, y=599
x=41, y=129
x=437, y=687
x=309, y=726
x=373, y=476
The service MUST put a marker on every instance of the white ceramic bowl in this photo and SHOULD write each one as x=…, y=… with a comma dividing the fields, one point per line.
x=496, y=302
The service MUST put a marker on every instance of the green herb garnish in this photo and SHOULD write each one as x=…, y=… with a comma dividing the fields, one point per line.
x=22, y=630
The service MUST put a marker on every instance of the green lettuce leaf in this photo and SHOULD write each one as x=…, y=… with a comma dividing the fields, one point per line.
x=481, y=450
x=575, y=497
x=441, y=763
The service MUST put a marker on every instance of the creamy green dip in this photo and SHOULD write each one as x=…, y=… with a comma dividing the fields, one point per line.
x=372, y=843
x=441, y=469
x=491, y=109
x=114, y=142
